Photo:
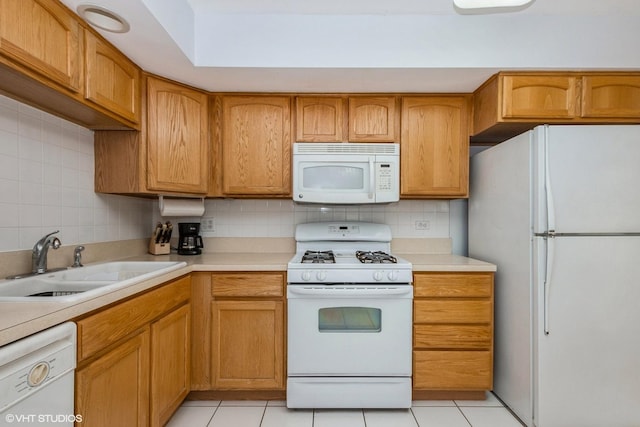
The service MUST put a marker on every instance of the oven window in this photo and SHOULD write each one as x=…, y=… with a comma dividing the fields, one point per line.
x=333, y=177
x=349, y=319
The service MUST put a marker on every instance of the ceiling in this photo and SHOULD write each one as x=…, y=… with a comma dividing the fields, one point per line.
x=367, y=45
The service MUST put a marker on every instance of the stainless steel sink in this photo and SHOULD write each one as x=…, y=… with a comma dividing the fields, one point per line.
x=83, y=283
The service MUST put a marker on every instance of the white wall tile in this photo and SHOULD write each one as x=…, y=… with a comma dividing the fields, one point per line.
x=46, y=184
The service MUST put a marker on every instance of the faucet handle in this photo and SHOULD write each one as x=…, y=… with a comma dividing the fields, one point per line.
x=77, y=256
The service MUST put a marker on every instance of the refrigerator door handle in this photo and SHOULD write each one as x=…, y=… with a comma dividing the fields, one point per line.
x=550, y=255
x=551, y=216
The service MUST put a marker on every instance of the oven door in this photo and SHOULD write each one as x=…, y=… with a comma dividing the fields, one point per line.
x=355, y=330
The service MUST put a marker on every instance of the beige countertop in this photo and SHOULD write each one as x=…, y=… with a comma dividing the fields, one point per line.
x=19, y=319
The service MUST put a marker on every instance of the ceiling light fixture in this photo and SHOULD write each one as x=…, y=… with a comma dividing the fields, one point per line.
x=503, y=5
x=103, y=18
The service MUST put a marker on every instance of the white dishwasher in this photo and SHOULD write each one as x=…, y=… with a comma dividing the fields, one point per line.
x=37, y=379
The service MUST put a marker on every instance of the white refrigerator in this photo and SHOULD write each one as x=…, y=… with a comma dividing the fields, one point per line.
x=557, y=209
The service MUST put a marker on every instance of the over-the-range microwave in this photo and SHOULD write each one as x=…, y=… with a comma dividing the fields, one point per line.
x=346, y=173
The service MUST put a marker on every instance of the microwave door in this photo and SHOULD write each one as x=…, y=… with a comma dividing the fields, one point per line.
x=336, y=182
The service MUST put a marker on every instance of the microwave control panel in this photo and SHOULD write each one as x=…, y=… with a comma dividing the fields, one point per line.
x=384, y=177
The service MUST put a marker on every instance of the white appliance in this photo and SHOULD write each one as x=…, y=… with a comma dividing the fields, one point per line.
x=349, y=337
x=558, y=210
x=36, y=379
x=346, y=173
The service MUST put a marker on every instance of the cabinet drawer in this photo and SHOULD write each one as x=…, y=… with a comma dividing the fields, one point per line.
x=452, y=311
x=453, y=285
x=247, y=285
x=452, y=370
x=452, y=336
x=108, y=326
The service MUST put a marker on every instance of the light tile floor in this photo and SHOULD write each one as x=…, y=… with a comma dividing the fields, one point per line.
x=423, y=413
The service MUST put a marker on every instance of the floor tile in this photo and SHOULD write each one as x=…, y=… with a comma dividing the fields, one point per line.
x=338, y=418
x=260, y=403
x=191, y=416
x=389, y=417
x=433, y=403
x=440, y=417
x=279, y=416
x=237, y=416
x=277, y=403
x=491, y=400
x=214, y=403
x=489, y=417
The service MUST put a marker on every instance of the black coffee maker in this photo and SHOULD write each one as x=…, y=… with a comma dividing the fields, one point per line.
x=189, y=241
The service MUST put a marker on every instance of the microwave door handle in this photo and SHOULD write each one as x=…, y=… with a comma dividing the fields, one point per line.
x=372, y=180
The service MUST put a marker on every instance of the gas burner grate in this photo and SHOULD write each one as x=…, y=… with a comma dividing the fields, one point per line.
x=377, y=257
x=318, y=257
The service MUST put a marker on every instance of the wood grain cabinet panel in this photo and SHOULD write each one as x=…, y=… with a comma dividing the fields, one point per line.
x=113, y=390
x=49, y=44
x=607, y=96
x=434, y=147
x=320, y=119
x=373, y=119
x=452, y=333
x=549, y=97
x=177, y=138
x=112, y=81
x=247, y=344
x=256, y=145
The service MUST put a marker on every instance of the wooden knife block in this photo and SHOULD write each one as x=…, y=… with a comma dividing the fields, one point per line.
x=159, y=248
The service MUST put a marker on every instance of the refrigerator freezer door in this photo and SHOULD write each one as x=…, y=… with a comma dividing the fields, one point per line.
x=586, y=372
x=594, y=173
x=500, y=232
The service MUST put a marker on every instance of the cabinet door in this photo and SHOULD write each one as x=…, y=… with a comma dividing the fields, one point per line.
x=170, y=364
x=611, y=96
x=112, y=81
x=113, y=390
x=320, y=119
x=256, y=145
x=177, y=148
x=434, y=147
x=373, y=119
x=453, y=370
x=539, y=97
x=48, y=44
x=247, y=345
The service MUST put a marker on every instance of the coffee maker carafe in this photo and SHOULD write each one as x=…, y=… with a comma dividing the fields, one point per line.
x=189, y=241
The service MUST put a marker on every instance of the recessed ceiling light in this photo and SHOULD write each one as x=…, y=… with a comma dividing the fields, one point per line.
x=103, y=18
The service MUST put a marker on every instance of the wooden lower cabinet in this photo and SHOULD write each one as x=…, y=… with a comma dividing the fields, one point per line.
x=134, y=359
x=113, y=390
x=170, y=364
x=239, y=318
x=453, y=333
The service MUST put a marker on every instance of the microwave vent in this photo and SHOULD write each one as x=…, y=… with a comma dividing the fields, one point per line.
x=310, y=148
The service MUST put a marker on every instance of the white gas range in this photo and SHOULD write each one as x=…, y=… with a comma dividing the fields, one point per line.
x=349, y=319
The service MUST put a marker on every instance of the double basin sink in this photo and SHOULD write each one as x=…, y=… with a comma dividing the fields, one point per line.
x=76, y=284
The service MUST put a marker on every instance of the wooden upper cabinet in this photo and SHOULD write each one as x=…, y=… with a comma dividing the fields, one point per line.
x=434, y=147
x=320, y=119
x=48, y=44
x=611, y=96
x=256, y=145
x=112, y=81
x=552, y=97
x=373, y=119
x=177, y=138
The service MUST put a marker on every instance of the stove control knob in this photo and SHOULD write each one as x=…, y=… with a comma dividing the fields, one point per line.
x=378, y=275
x=306, y=276
x=393, y=275
x=321, y=275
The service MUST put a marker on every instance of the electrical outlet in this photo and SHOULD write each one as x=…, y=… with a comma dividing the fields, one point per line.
x=423, y=225
x=207, y=225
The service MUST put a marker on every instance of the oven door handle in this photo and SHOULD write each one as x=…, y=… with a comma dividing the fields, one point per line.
x=342, y=292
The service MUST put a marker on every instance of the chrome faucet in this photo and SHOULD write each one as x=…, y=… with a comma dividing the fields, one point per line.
x=77, y=256
x=40, y=250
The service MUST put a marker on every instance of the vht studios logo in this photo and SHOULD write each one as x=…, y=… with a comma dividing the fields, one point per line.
x=43, y=418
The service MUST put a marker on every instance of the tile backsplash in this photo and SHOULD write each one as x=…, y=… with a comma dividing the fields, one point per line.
x=46, y=184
